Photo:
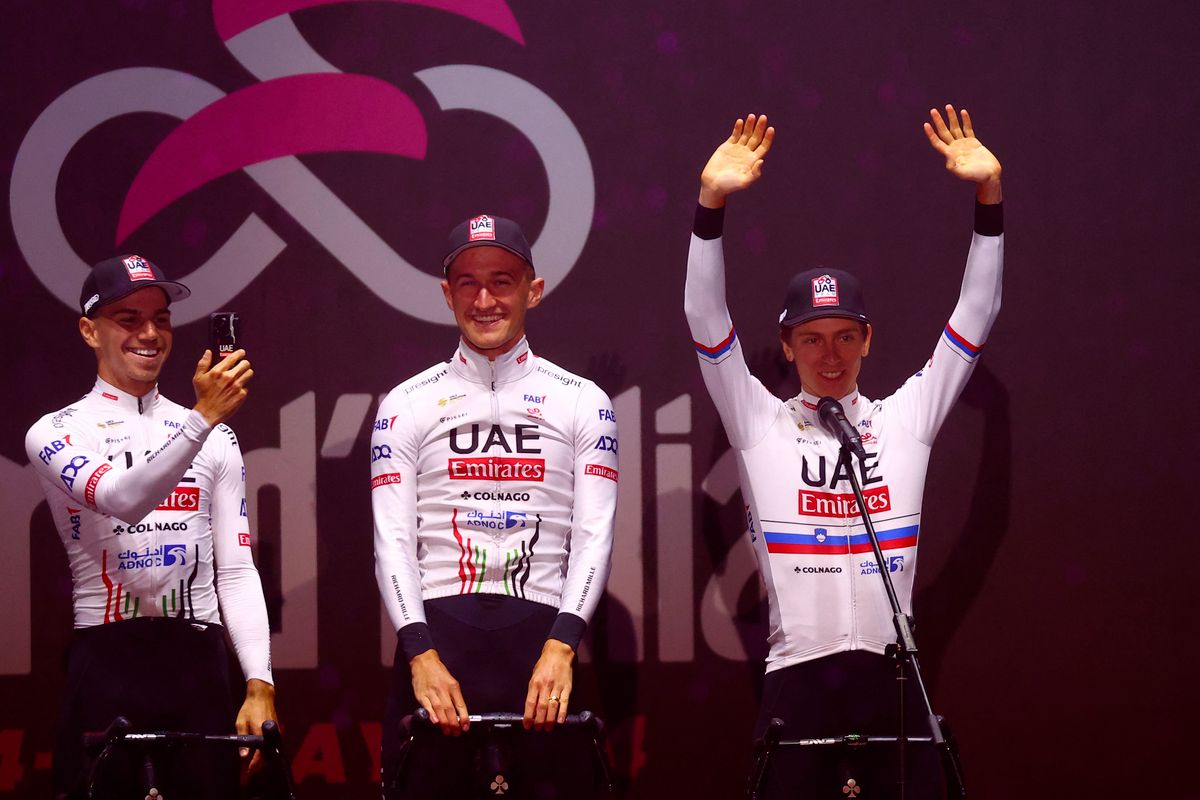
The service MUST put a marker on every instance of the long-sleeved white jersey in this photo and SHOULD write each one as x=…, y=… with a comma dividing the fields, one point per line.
x=813, y=552
x=152, y=512
x=497, y=477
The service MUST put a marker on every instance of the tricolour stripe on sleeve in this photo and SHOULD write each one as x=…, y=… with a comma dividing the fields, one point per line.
x=717, y=352
x=971, y=351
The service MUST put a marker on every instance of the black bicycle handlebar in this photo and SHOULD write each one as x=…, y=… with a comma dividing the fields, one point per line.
x=584, y=720
x=118, y=731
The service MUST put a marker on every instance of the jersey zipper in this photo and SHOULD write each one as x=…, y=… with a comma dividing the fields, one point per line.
x=155, y=570
x=848, y=522
x=497, y=485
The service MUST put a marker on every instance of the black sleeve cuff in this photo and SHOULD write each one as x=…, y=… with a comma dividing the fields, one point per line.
x=989, y=220
x=415, y=639
x=709, y=222
x=568, y=629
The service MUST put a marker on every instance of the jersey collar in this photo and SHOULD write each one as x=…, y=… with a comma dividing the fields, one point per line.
x=108, y=393
x=478, y=368
x=853, y=404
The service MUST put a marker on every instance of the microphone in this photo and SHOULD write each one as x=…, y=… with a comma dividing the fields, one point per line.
x=833, y=417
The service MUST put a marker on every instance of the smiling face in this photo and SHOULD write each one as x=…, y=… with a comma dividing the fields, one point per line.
x=132, y=339
x=828, y=354
x=490, y=289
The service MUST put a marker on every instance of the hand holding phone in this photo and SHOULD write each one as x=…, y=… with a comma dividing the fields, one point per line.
x=224, y=328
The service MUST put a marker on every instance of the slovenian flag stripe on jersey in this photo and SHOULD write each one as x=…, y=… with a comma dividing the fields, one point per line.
x=719, y=350
x=802, y=543
x=956, y=341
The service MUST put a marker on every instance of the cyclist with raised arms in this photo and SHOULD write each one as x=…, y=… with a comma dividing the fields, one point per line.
x=149, y=499
x=494, y=488
x=830, y=620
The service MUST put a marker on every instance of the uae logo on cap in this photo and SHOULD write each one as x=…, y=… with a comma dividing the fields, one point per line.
x=138, y=269
x=481, y=227
x=824, y=291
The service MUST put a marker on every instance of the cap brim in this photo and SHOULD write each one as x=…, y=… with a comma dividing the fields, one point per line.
x=483, y=243
x=173, y=290
x=809, y=316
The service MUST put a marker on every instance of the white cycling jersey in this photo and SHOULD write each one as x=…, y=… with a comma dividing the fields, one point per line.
x=813, y=552
x=497, y=477
x=151, y=509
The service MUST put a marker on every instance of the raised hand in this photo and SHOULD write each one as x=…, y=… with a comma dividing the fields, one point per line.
x=221, y=389
x=738, y=162
x=965, y=155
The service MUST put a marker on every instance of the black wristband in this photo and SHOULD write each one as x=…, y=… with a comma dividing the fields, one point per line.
x=568, y=629
x=415, y=639
x=989, y=220
x=709, y=222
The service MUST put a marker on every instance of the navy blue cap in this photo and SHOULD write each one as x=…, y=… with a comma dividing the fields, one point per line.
x=121, y=276
x=486, y=230
x=823, y=292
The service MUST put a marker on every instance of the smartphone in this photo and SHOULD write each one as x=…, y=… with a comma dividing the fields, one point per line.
x=224, y=329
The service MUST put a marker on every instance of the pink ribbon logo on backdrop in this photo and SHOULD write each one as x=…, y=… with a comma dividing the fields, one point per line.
x=323, y=108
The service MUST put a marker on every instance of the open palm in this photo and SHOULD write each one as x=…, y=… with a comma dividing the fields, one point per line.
x=738, y=162
x=965, y=155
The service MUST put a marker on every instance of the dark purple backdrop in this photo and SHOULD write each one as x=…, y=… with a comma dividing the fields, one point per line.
x=1053, y=602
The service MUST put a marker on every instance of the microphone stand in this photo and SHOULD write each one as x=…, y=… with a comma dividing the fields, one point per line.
x=906, y=648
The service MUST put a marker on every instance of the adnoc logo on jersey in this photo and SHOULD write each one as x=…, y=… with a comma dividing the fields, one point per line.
x=498, y=520
x=184, y=498
x=165, y=555
x=870, y=567
x=824, y=291
x=495, y=468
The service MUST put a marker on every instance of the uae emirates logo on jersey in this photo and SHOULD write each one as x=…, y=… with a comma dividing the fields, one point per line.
x=827, y=504
x=495, y=468
x=184, y=498
x=824, y=291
